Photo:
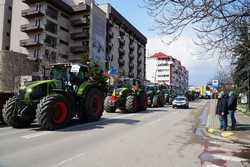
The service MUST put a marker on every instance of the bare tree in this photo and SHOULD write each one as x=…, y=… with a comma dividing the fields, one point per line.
x=217, y=22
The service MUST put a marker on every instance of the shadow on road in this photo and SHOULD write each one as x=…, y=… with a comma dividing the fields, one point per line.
x=76, y=125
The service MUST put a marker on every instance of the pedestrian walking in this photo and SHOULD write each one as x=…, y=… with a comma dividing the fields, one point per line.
x=232, y=106
x=222, y=110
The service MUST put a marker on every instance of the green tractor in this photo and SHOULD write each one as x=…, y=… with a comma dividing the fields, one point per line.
x=70, y=93
x=156, y=97
x=128, y=96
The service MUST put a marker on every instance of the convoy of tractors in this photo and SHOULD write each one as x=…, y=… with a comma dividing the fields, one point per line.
x=76, y=91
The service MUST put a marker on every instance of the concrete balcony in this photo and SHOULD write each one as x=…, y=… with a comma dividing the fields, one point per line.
x=131, y=57
x=29, y=2
x=131, y=66
x=80, y=22
x=81, y=8
x=79, y=35
x=30, y=13
x=139, y=52
x=111, y=34
x=78, y=49
x=122, y=51
x=139, y=70
x=121, y=62
x=131, y=74
x=139, y=61
x=122, y=41
x=31, y=28
x=131, y=48
x=30, y=43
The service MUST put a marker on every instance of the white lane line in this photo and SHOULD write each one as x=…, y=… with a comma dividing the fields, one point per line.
x=227, y=158
x=37, y=134
x=69, y=159
x=212, y=165
x=44, y=133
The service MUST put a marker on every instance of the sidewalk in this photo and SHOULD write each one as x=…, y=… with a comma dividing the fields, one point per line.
x=242, y=132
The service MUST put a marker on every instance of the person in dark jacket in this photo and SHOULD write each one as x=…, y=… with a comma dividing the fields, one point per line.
x=232, y=105
x=222, y=110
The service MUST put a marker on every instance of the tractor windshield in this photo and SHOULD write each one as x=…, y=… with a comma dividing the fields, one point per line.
x=60, y=73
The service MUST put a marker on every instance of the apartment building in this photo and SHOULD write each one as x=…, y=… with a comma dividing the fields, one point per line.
x=66, y=30
x=126, y=46
x=170, y=71
x=5, y=23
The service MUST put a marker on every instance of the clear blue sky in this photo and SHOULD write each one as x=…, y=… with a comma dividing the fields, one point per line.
x=134, y=12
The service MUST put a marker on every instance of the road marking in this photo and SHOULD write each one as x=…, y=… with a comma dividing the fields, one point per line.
x=39, y=134
x=69, y=159
x=228, y=158
x=212, y=165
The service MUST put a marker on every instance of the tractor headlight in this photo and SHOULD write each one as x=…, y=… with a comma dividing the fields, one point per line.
x=29, y=90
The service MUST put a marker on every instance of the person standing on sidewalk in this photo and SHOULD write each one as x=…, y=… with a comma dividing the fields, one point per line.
x=222, y=110
x=232, y=105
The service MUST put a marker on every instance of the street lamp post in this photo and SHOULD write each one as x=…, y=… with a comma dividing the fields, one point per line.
x=248, y=90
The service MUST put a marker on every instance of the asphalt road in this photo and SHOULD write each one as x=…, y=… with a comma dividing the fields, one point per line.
x=158, y=137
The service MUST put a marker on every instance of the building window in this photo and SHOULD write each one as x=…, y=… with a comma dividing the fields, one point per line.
x=50, y=41
x=64, y=29
x=51, y=27
x=64, y=42
x=51, y=12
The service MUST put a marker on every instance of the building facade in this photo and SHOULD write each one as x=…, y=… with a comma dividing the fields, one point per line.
x=169, y=71
x=67, y=31
x=126, y=46
x=5, y=23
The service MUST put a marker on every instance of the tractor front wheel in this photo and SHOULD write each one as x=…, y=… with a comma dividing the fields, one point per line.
x=17, y=116
x=156, y=101
x=132, y=104
x=53, y=112
x=109, y=105
x=93, y=106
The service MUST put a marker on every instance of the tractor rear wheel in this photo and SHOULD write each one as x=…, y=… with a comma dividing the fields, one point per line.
x=109, y=105
x=93, y=106
x=17, y=116
x=132, y=104
x=155, y=102
x=53, y=112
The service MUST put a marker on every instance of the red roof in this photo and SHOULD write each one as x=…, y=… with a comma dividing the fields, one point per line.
x=160, y=55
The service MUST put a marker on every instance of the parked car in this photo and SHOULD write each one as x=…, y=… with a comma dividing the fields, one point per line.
x=180, y=102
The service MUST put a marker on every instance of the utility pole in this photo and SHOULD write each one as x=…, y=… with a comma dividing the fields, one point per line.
x=248, y=90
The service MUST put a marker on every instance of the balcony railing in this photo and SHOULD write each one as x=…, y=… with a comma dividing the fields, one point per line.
x=29, y=13
x=78, y=49
x=31, y=28
x=80, y=21
x=29, y=43
x=79, y=35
